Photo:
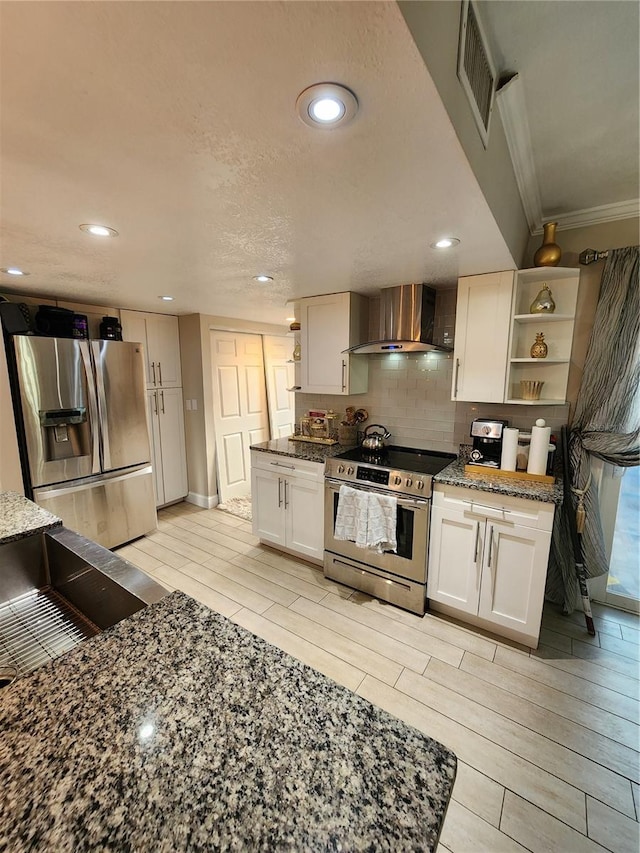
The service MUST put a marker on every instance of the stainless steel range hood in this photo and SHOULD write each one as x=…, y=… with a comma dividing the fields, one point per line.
x=406, y=321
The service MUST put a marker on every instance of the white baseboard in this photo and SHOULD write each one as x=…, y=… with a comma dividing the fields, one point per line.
x=205, y=501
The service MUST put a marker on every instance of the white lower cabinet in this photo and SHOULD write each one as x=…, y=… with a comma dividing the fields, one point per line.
x=488, y=560
x=288, y=503
x=168, y=452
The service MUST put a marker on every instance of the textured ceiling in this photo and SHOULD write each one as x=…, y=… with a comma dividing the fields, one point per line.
x=174, y=123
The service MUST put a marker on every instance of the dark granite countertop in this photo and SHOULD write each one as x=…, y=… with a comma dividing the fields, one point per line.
x=20, y=517
x=179, y=730
x=300, y=449
x=454, y=475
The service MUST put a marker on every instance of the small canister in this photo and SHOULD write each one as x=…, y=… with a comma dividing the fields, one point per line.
x=348, y=434
x=522, y=459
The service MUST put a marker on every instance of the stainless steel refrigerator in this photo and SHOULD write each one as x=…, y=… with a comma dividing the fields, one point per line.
x=82, y=427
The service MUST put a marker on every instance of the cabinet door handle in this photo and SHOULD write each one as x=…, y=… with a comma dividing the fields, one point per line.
x=455, y=380
x=490, y=545
x=279, y=491
x=344, y=375
x=155, y=402
x=153, y=368
x=159, y=374
x=282, y=465
x=286, y=495
x=162, y=399
x=475, y=553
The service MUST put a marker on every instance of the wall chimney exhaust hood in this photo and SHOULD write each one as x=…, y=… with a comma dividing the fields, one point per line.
x=406, y=321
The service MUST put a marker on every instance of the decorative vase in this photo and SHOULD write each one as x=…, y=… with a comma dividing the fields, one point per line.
x=539, y=349
x=543, y=303
x=549, y=253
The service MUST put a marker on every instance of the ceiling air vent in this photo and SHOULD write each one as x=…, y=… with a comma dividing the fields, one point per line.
x=475, y=69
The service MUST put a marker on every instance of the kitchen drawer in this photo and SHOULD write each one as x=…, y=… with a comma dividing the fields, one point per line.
x=479, y=504
x=289, y=466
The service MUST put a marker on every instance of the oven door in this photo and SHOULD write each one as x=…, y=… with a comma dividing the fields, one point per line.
x=412, y=533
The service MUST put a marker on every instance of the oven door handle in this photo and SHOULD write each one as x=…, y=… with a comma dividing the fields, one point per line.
x=417, y=503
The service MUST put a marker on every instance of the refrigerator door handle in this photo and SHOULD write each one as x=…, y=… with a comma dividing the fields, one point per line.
x=93, y=408
x=102, y=407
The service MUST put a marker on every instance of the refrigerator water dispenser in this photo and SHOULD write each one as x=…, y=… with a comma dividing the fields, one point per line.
x=66, y=433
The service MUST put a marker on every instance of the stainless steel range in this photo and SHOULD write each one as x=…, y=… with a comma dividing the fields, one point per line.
x=398, y=577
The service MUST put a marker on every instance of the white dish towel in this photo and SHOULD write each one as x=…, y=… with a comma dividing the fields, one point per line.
x=351, y=517
x=382, y=522
x=367, y=519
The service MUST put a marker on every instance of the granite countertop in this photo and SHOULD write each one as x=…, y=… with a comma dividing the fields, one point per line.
x=454, y=475
x=301, y=449
x=179, y=730
x=20, y=517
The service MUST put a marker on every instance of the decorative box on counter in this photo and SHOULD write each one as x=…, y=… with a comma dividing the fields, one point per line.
x=318, y=426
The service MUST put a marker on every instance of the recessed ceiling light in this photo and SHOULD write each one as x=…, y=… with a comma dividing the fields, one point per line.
x=13, y=271
x=166, y=298
x=445, y=243
x=326, y=105
x=99, y=230
x=263, y=278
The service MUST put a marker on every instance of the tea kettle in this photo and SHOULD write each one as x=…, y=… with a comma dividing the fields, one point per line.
x=375, y=441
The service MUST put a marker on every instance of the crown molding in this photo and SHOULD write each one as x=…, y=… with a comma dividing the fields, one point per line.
x=594, y=215
x=513, y=113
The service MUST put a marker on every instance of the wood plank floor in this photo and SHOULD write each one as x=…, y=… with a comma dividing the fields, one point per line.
x=547, y=741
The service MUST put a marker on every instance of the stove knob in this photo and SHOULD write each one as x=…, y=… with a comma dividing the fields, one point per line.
x=350, y=470
x=340, y=469
x=420, y=484
x=408, y=482
x=397, y=480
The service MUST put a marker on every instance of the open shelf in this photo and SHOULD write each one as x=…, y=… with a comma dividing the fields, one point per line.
x=543, y=318
x=557, y=328
x=541, y=402
x=539, y=361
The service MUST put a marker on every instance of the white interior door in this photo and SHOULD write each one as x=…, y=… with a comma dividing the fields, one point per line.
x=279, y=371
x=239, y=408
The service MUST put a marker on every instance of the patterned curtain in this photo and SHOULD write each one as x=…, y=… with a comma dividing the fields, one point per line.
x=606, y=423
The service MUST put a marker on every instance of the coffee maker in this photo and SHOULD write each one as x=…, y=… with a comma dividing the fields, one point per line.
x=487, y=441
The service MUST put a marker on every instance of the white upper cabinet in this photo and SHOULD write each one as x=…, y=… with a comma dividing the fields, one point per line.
x=495, y=331
x=160, y=336
x=482, y=337
x=329, y=325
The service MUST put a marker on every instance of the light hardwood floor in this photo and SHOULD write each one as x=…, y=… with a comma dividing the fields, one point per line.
x=547, y=741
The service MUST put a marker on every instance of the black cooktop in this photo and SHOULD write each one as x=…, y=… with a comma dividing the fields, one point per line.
x=401, y=459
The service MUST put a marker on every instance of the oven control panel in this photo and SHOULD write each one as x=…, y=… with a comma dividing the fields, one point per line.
x=401, y=482
x=373, y=475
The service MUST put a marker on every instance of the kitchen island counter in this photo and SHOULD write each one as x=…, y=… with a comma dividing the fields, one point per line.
x=20, y=517
x=179, y=730
x=454, y=475
x=310, y=451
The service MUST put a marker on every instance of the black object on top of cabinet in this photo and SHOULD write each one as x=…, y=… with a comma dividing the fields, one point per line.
x=61, y=322
x=110, y=329
x=15, y=318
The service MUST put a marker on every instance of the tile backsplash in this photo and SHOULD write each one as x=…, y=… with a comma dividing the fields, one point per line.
x=410, y=394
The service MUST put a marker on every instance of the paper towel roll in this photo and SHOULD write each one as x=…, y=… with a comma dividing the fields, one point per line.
x=539, y=449
x=509, y=448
